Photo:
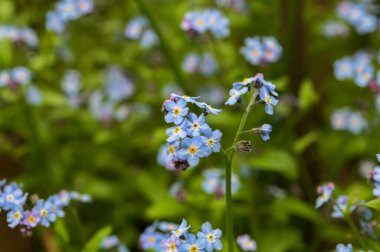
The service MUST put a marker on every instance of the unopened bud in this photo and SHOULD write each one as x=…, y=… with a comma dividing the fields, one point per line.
x=244, y=146
x=181, y=164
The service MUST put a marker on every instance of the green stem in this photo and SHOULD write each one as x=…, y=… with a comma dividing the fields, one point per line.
x=164, y=45
x=228, y=158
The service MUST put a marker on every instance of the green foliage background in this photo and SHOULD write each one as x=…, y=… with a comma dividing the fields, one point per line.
x=51, y=147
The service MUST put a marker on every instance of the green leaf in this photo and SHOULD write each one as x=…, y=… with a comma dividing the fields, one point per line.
x=278, y=161
x=296, y=207
x=307, y=95
x=94, y=243
x=6, y=10
x=302, y=143
x=61, y=231
x=375, y=204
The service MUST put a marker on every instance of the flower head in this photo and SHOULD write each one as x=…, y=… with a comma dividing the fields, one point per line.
x=182, y=229
x=246, y=243
x=210, y=237
x=325, y=192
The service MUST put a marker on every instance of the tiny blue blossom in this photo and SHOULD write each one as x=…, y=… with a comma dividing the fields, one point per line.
x=192, y=244
x=176, y=111
x=110, y=242
x=246, y=243
x=54, y=22
x=343, y=248
x=172, y=244
x=325, y=192
x=210, y=237
x=235, y=94
x=46, y=215
x=182, y=229
x=33, y=95
x=340, y=208
x=21, y=75
x=196, y=125
x=12, y=197
x=176, y=132
x=268, y=99
x=211, y=140
x=192, y=150
x=15, y=216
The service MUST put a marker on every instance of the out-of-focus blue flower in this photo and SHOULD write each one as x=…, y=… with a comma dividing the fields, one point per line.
x=210, y=237
x=110, y=242
x=192, y=149
x=176, y=111
x=340, y=208
x=68, y=10
x=167, y=226
x=15, y=216
x=344, y=69
x=265, y=130
x=54, y=22
x=85, y=6
x=332, y=29
x=21, y=75
x=357, y=15
x=339, y=119
x=196, y=125
x=151, y=240
x=148, y=39
x=118, y=86
x=211, y=180
x=201, y=22
x=343, y=248
x=204, y=64
x=325, y=192
x=12, y=197
x=71, y=83
x=261, y=50
x=182, y=229
x=356, y=123
x=192, y=244
x=246, y=243
x=33, y=95
x=135, y=27
x=17, y=35
x=211, y=140
x=363, y=77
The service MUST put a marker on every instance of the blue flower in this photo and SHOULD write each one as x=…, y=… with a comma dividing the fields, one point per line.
x=208, y=108
x=167, y=226
x=110, y=242
x=235, y=94
x=188, y=99
x=340, y=209
x=85, y=6
x=210, y=237
x=343, y=248
x=148, y=39
x=364, y=76
x=15, y=216
x=192, y=150
x=68, y=10
x=12, y=197
x=176, y=111
x=56, y=206
x=378, y=157
x=199, y=22
x=325, y=192
x=356, y=122
x=151, y=240
x=54, y=22
x=192, y=244
x=176, y=132
x=21, y=75
x=265, y=130
x=211, y=181
x=246, y=243
x=33, y=95
x=44, y=209
x=211, y=140
x=182, y=229
x=268, y=99
x=172, y=244
x=196, y=125
x=31, y=219
x=252, y=51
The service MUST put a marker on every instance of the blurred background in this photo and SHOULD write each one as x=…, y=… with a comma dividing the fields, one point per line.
x=89, y=118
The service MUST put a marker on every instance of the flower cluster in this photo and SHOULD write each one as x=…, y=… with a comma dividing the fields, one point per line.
x=169, y=237
x=358, y=16
x=332, y=29
x=203, y=64
x=200, y=22
x=325, y=193
x=111, y=242
x=65, y=11
x=357, y=68
x=138, y=29
x=214, y=182
x=340, y=207
x=190, y=138
x=267, y=92
x=13, y=200
x=104, y=104
x=246, y=243
x=21, y=76
x=261, y=50
x=25, y=36
x=344, y=119
x=343, y=248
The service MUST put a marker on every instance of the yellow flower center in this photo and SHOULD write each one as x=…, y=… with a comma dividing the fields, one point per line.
x=193, y=248
x=176, y=111
x=255, y=53
x=211, y=238
x=210, y=142
x=177, y=130
x=172, y=246
x=267, y=99
x=151, y=239
x=10, y=198
x=269, y=53
x=193, y=150
x=200, y=22
x=17, y=215
x=185, y=96
x=171, y=149
x=43, y=213
x=178, y=232
x=31, y=219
